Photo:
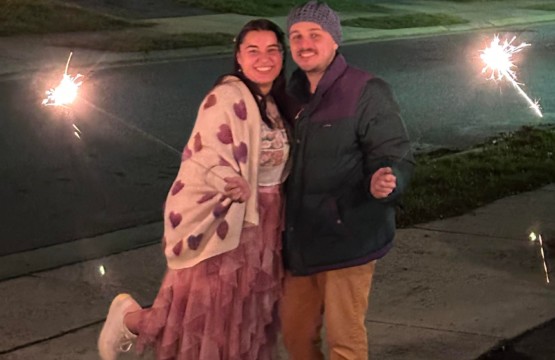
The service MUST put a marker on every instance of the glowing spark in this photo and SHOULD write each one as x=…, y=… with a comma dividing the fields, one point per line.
x=498, y=61
x=533, y=237
x=102, y=270
x=77, y=132
x=66, y=92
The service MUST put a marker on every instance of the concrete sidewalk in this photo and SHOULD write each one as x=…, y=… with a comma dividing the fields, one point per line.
x=450, y=289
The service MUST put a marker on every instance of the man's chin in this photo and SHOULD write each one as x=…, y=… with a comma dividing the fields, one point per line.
x=306, y=67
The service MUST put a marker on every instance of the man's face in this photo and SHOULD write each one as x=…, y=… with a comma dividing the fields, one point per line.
x=312, y=48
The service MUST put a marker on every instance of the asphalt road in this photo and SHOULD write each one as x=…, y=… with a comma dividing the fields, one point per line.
x=445, y=98
x=57, y=187
x=134, y=120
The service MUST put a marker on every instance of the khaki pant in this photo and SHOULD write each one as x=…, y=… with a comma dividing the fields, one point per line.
x=341, y=296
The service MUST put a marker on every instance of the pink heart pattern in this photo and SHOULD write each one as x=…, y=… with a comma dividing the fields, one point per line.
x=177, y=186
x=177, y=248
x=197, y=146
x=220, y=210
x=224, y=162
x=240, y=153
x=240, y=110
x=222, y=230
x=210, y=101
x=206, y=197
x=224, y=135
x=194, y=241
x=175, y=219
x=187, y=153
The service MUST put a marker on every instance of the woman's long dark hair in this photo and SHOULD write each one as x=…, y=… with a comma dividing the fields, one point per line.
x=278, y=90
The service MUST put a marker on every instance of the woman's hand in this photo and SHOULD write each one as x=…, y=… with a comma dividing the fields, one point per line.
x=237, y=189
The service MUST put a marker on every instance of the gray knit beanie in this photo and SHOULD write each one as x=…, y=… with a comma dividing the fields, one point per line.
x=317, y=12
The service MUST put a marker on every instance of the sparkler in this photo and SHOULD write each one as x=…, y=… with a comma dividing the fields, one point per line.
x=498, y=61
x=533, y=237
x=66, y=92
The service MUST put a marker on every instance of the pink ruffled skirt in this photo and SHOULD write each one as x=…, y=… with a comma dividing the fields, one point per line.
x=224, y=308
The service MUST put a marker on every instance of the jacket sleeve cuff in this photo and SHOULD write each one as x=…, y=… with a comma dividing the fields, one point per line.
x=403, y=172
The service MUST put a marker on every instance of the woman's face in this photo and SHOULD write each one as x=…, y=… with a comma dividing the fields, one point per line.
x=261, y=58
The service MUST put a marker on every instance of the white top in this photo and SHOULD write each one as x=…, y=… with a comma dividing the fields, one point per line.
x=274, y=148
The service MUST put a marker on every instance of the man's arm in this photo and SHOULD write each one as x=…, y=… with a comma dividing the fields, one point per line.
x=388, y=159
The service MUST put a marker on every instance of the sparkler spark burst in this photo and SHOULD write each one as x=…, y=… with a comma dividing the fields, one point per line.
x=66, y=92
x=534, y=237
x=498, y=61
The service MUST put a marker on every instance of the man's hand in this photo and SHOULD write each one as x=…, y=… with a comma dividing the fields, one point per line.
x=237, y=189
x=383, y=183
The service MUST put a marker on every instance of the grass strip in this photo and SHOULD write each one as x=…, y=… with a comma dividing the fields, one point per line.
x=455, y=184
x=51, y=16
x=545, y=7
x=277, y=7
x=144, y=42
x=404, y=21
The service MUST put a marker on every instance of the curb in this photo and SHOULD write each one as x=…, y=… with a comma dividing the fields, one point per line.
x=352, y=36
x=55, y=256
x=138, y=58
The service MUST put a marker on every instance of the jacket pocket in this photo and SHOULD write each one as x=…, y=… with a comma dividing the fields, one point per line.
x=324, y=217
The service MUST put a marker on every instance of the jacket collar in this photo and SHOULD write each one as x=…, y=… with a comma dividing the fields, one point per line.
x=334, y=70
x=299, y=86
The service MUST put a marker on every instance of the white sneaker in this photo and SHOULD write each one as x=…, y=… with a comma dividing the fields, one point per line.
x=115, y=337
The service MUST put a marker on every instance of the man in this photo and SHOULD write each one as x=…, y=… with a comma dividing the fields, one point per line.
x=351, y=162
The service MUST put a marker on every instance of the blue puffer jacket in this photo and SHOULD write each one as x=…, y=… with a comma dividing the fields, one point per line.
x=350, y=127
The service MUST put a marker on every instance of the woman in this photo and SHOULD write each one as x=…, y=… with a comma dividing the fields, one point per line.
x=222, y=222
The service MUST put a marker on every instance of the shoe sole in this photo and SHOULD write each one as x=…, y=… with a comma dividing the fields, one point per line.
x=121, y=301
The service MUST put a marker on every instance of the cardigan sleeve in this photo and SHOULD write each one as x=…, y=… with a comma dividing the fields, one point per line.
x=214, y=145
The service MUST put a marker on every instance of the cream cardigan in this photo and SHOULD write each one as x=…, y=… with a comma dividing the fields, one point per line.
x=199, y=221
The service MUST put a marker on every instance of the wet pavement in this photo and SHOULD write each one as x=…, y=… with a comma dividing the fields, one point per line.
x=469, y=287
